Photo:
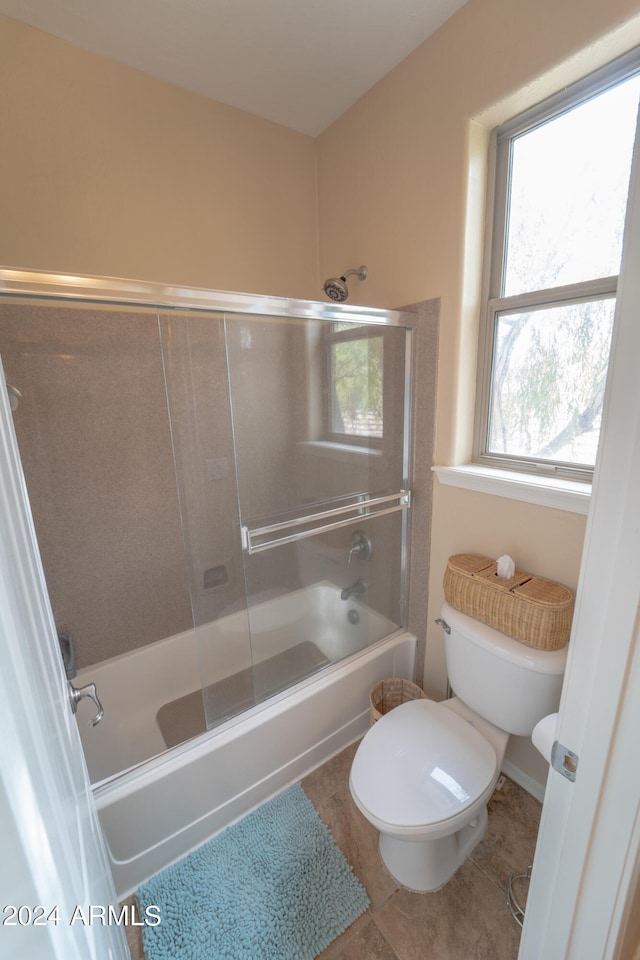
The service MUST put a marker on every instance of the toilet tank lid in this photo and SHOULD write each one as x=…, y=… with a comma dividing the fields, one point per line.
x=531, y=658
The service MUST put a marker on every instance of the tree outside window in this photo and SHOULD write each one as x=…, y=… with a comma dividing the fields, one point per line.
x=355, y=404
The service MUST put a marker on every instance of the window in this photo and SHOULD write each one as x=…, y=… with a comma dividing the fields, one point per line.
x=562, y=178
x=355, y=394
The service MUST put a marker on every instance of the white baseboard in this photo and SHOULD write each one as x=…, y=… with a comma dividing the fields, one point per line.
x=523, y=780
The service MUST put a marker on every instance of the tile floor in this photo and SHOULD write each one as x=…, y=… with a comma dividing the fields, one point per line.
x=467, y=920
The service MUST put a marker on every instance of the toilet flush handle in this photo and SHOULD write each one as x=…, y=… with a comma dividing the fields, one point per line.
x=443, y=623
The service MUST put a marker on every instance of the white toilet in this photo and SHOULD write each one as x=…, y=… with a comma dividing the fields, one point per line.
x=423, y=774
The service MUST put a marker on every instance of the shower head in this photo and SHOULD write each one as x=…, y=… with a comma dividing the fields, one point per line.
x=336, y=287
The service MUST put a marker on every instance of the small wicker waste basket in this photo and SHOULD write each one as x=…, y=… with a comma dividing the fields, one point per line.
x=387, y=694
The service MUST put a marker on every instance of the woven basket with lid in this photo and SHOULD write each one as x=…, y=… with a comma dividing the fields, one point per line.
x=535, y=611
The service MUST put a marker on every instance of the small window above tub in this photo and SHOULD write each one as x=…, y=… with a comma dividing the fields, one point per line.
x=354, y=406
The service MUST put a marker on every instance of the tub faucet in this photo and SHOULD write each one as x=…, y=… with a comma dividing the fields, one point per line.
x=354, y=590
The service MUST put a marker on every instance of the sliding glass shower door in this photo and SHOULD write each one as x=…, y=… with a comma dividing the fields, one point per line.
x=318, y=412
x=290, y=445
x=219, y=496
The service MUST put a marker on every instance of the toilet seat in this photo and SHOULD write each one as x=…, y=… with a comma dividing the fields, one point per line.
x=421, y=765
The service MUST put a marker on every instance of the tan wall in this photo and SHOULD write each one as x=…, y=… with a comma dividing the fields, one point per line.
x=401, y=181
x=107, y=171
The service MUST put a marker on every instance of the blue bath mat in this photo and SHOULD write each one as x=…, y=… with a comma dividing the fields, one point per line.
x=273, y=886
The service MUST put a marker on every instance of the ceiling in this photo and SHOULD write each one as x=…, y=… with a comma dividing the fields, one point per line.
x=300, y=63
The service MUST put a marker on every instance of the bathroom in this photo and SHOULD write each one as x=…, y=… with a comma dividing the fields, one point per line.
x=113, y=173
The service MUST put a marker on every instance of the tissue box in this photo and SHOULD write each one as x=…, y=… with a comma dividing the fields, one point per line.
x=535, y=611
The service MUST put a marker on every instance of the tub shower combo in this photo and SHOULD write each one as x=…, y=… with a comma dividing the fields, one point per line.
x=220, y=490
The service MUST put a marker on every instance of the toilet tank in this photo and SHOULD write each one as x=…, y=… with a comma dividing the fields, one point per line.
x=503, y=680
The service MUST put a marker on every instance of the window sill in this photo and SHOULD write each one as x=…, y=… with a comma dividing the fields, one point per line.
x=338, y=451
x=569, y=495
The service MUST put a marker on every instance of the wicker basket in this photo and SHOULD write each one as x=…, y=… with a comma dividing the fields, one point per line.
x=535, y=611
x=387, y=694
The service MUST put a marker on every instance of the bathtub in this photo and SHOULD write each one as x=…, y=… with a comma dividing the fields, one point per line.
x=166, y=802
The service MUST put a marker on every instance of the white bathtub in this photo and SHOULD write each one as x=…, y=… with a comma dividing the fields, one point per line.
x=160, y=809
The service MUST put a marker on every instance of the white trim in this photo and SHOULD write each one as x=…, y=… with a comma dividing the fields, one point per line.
x=601, y=288
x=569, y=495
x=523, y=780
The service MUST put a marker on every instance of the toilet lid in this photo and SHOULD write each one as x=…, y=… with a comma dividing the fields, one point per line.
x=421, y=763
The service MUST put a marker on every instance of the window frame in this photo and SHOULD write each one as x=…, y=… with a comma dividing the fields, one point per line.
x=499, y=181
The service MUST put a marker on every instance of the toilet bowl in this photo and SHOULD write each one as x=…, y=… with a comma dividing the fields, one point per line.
x=423, y=774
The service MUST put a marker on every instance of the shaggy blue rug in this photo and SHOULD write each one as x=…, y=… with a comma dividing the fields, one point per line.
x=273, y=886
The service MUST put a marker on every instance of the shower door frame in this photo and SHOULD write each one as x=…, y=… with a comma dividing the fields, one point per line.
x=38, y=283
x=51, y=287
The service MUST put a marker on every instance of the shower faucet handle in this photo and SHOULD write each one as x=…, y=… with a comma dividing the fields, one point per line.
x=76, y=694
x=361, y=546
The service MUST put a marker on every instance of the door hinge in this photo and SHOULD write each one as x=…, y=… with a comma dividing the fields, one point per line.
x=564, y=761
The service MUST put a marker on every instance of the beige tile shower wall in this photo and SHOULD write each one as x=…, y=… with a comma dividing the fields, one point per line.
x=223, y=467
x=261, y=353
x=94, y=440
x=261, y=370
x=198, y=392
x=337, y=469
x=105, y=170
x=326, y=470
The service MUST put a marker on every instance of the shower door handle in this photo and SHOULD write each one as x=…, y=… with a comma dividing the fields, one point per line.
x=76, y=694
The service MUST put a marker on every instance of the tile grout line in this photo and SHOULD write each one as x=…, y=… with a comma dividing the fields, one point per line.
x=391, y=947
x=492, y=880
